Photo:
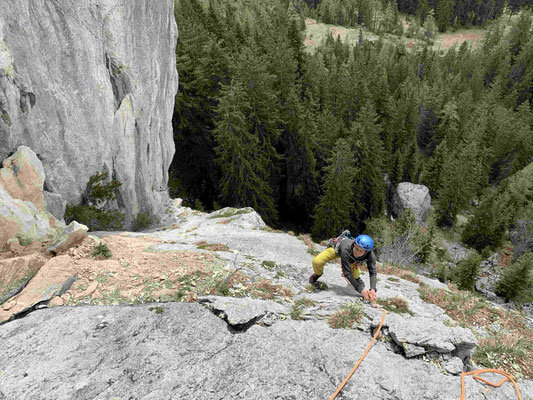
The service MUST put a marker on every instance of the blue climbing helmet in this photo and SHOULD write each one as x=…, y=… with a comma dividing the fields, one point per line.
x=365, y=242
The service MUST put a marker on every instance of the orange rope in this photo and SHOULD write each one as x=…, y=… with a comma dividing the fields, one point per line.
x=362, y=357
x=506, y=375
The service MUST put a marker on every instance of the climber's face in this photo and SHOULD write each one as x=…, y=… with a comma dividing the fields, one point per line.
x=358, y=251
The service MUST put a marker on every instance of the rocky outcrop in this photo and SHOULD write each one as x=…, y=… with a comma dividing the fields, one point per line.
x=16, y=272
x=414, y=197
x=22, y=208
x=53, y=279
x=90, y=88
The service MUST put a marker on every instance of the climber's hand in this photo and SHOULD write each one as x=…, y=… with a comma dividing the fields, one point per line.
x=369, y=295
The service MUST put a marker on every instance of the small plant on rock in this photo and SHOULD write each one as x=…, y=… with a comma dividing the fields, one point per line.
x=347, y=316
x=395, y=304
x=101, y=250
x=142, y=221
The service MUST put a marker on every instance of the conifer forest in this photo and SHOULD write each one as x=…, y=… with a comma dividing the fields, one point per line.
x=312, y=139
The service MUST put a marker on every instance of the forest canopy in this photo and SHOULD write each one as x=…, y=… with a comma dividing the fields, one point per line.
x=311, y=139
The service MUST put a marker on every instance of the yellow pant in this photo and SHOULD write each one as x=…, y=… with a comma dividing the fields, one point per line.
x=330, y=255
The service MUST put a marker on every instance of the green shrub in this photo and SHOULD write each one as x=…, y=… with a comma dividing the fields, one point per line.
x=94, y=218
x=101, y=250
x=442, y=272
x=296, y=312
x=516, y=282
x=157, y=309
x=269, y=264
x=142, y=221
x=89, y=213
x=467, y=272
x=24, y=240
x=98, y=190
x=403, y=242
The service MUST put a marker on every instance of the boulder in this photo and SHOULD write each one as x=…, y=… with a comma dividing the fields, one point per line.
x=16, y=272
x=22, y=177
x=412, y=196
x=74, y=233
x=91, y=89
x=53, y=279
x=22, y=209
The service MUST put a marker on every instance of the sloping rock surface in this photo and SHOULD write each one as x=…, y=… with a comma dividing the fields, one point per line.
x=89, y=86
x=183, y=351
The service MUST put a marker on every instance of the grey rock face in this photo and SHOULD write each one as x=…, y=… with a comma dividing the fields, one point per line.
x=241, y=312
x=186, y=352
x=420, y=335
x=89, y=86
x=415, y=197
x=55, y=205
x=454, y=366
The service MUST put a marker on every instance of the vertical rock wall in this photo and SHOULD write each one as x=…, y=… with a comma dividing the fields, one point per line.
x=89, y=86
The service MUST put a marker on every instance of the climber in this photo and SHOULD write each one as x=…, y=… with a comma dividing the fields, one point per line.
x=352, y=253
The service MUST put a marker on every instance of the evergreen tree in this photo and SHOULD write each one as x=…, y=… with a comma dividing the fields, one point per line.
x=485, y=228
x=245, y=177
x=301, y=169
x=427, y=131
x=467, y=272
x=444, y=14
x=332, y=213
x=369, y=183
x=516, y=282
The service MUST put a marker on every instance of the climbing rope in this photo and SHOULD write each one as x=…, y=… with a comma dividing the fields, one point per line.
x=363, y=356
x=506, y=375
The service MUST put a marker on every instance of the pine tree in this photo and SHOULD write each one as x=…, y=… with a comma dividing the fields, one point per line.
x=444, y=14
x=369, y=185
x=301, y=168
x=202, y=64
x=332, y=213
x=485, y=228
x=516, y=282
x=467, y=272
x=245, y=177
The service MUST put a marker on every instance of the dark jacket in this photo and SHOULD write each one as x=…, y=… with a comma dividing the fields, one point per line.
x=345, y=251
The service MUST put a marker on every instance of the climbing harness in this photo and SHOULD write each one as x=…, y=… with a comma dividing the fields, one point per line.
x=506, y=375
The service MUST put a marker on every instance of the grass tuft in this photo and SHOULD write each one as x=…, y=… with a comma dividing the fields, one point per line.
x=347, y=315
x=395, y=304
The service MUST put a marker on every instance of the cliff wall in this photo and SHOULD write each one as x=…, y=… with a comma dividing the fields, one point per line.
x=89, y=86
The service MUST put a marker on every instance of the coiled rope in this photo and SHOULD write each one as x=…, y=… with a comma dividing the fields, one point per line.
x=476, y=373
